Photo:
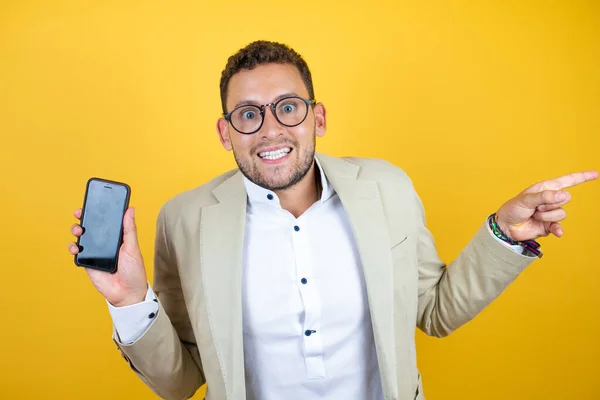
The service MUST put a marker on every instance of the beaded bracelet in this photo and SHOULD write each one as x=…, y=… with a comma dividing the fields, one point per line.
x=530, y=245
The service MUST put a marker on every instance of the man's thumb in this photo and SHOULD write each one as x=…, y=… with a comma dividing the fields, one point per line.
x=129, y=228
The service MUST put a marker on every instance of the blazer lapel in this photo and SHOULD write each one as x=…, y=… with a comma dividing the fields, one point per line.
x=362, y=203
x=222, y=232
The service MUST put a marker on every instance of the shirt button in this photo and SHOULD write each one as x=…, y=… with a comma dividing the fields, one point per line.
x=304, y=281
x=270, y=196
x=296, y=228
x=308, y=332
x=151, y=315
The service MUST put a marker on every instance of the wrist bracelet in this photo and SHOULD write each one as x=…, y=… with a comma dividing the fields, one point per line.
x=530, y=245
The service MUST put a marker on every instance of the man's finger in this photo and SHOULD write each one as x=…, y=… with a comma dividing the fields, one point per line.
x=556, y=229
x=76, y=230
x=570, y=180
x=534, y=200
x=554, y=206
x=77, y=213
x=551, y=216
x=73, y=249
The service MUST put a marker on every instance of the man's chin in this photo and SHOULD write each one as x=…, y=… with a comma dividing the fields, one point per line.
x=274, y=177
x=274, y=184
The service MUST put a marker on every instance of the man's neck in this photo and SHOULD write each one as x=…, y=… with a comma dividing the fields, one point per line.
x=302, y=195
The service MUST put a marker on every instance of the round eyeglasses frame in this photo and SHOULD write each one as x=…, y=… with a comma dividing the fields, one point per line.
x=273, y=107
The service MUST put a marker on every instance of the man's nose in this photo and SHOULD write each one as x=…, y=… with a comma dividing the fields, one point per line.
x=271, y=127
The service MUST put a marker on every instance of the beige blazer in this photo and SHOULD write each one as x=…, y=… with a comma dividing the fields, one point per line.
x=196, y=337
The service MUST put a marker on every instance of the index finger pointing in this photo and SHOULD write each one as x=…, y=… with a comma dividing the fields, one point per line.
x=570, y=180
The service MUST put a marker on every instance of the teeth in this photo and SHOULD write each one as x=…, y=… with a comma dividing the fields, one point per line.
x=274, y=155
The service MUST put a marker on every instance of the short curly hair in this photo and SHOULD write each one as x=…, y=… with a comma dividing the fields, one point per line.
x=263, y=52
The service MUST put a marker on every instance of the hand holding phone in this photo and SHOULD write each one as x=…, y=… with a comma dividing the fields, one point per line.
x=109, y=249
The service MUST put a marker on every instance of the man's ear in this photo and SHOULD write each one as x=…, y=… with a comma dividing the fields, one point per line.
x=320, y=119
x=223, y=131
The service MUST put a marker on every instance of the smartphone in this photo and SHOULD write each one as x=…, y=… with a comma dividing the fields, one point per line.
x=102, y=215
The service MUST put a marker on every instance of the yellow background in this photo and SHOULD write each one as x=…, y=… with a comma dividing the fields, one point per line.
x=475, y=100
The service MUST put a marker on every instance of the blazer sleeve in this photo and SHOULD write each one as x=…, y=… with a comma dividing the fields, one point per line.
x=166, y=357
x=450, y=296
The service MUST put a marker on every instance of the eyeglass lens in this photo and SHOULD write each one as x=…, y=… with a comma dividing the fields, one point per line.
x=289, y=111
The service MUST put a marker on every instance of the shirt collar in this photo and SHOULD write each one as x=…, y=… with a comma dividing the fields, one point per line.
x=258, y=194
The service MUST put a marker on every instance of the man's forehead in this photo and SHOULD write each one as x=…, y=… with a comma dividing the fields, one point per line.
x=265, y=82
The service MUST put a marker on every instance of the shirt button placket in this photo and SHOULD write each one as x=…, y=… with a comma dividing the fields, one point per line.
x=313, y=344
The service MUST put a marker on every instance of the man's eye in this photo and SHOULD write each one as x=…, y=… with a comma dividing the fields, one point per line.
x=288, y=108
x=249, y=114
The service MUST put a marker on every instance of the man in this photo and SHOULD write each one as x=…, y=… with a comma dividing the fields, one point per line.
x=303, y=276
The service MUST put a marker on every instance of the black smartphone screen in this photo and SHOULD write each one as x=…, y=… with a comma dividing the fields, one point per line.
x=102, y=222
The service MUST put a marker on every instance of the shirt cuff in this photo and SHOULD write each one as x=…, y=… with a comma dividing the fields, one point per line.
x=517, y=248
x=132, y=321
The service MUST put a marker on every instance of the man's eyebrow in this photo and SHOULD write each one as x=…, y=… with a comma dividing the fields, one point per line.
x=254, y=103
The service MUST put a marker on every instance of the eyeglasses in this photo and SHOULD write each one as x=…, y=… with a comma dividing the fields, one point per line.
x=289, y=111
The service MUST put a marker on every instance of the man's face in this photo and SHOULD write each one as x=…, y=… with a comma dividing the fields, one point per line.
x=259, y=155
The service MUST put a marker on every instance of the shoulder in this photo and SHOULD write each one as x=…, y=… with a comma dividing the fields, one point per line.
x=196, y=198
x=381, y=171
x=400, y=201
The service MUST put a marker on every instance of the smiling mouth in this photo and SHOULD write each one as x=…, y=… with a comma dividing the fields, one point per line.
x=276, y=154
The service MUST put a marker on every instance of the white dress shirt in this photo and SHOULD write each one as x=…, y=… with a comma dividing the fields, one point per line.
x=306, y=322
